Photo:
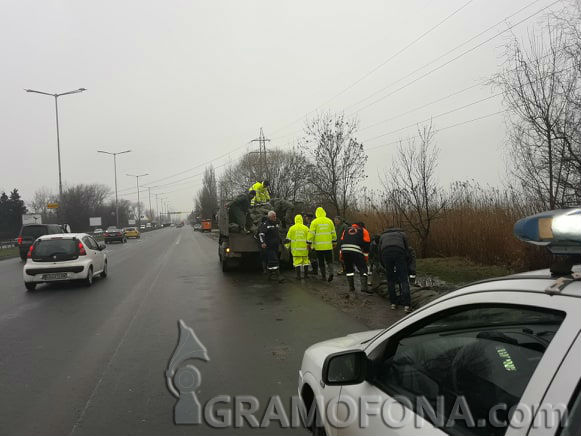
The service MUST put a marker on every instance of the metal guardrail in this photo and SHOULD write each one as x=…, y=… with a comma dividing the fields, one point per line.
x=8, y=243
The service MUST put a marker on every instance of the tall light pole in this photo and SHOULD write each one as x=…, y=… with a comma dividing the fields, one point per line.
x=137, y=176
x=115, y=170
x=58, y=141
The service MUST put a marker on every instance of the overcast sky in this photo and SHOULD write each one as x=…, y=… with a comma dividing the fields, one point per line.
x=184, y=82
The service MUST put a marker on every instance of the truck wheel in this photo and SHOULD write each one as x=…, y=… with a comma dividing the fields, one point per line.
x=30, y=286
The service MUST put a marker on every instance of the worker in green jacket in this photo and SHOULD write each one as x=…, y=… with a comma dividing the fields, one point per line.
x=323, y=238
x=296, y=241
x=262, y=194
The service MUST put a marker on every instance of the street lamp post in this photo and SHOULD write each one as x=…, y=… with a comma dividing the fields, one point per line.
x=58, y=142
x=115, y=170
x=137, y=176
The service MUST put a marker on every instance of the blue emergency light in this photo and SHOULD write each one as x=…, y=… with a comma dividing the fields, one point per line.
x=558, y=230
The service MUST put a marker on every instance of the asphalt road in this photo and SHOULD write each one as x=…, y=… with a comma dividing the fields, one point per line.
x=77, y=360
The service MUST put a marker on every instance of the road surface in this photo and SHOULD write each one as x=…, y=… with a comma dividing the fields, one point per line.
x=77, y=360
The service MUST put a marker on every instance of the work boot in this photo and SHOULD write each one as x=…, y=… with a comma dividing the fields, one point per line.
x=279, y=276
x=369, y=279
x=298, y=268
x=364, y=287
x=331, y=270
x=351, y=282
x=305, y=269
x=323, y=273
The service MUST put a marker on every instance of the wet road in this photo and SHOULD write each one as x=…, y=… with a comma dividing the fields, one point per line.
x=76, y=360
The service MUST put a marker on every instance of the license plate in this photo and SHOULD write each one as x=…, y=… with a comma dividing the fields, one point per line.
x=54, y=276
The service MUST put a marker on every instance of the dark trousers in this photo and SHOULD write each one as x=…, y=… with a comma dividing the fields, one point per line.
x=271, y=257
x=325, y=256
x=396, y=271
x=351, y=260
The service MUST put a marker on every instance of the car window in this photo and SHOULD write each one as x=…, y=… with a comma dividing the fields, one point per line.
x=89, y=243
x=57, y=249
x=95, y=243
x=34, y=231
x=572, y=424
x=478, y=356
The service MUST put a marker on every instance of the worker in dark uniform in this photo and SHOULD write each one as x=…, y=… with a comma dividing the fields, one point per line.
x=355, y=243
x=239, y=208
x=270, y=241
x=394, y=252
x=262, y=250
x=308, y=218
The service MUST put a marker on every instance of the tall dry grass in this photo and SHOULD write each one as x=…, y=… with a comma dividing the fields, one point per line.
x=477, y=224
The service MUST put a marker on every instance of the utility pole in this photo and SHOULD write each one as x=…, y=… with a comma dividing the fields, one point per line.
x=58, y=140
x=149, y=190
x=115, y=169
x=137, y=176
x=262, y=140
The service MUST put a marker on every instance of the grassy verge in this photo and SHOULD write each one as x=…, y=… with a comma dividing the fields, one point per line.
x=6, y=253
x=458, y=270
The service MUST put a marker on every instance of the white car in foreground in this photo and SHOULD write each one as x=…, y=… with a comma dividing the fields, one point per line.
x=500, y=357
x=64, y=257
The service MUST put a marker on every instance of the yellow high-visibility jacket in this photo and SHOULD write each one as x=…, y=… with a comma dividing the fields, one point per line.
x=296, y=238
x=322, y=234
x=262, y=194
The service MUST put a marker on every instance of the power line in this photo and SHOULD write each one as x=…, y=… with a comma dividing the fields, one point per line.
x=381, y=65
x=434, y=117
x=446, y=54
x=441, y=129
x=433, y=70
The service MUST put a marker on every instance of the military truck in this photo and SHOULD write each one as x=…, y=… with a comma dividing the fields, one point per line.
x=234, y=247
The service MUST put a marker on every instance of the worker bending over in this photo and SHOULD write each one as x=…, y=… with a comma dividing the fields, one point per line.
x=296, y=241
x=262, y=194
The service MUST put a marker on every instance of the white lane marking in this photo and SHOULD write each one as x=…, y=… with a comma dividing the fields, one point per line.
x=179, y=239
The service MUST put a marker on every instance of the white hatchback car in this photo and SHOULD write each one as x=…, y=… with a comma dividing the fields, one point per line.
x=63, y=257
x=500, y=357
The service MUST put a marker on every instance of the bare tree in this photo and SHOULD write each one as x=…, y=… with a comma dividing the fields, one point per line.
x=411, y=186
x=207, y=198
x=541, y=86
x=287, y=172
x=338, y=159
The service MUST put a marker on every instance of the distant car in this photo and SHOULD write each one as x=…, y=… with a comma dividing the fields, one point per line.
x=64, y=257
x=113, y=234
x=132, y=232
x=29, y=233
x=197, y=227
x=142, y=227
x=98, y=231
x=148, y=226
x=180, y=225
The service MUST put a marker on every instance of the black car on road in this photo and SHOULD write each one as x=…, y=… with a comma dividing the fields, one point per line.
x=30, y=232
x=113, y=234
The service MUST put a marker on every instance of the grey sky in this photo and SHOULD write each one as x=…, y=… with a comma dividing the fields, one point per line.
x=182, y=82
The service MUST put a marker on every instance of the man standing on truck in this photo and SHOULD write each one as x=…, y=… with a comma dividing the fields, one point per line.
x=239, y=208
x=261, y=190
x=296, y=240
x=270, y=241
x=322, y=238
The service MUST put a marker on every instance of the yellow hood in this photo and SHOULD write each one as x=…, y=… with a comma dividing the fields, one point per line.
x=298, y=219
x=320, y=212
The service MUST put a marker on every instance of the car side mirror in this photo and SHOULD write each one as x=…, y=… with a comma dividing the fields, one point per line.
x=345, y=368
x=102, y=246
